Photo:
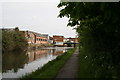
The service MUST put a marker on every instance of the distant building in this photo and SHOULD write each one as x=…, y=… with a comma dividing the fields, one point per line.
x=41, y=38
x=72, y=40
x=30, y=36
x=50, y=40
x=45, y=35
x=66, y=40
x=58, y=40
x=76, y=40
x=35, y=38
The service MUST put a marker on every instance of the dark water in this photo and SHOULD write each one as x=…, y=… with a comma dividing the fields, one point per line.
x=16, y=64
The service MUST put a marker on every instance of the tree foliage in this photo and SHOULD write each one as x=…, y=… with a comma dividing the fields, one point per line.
x=98, y=27
x=13, y=40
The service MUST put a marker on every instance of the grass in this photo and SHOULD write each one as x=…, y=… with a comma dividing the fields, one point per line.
x=51, y=69
x=86, y=68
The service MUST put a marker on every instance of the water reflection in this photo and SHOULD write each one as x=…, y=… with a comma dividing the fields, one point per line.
x=17, y=64
x=13, y=60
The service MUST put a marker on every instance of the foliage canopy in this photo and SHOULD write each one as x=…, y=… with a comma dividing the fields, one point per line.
x=13, y=40
x=98, y=27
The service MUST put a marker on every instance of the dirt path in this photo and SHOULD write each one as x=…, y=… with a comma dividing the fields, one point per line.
x=69, y=70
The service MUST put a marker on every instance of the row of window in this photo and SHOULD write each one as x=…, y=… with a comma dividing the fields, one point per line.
x=38, y=39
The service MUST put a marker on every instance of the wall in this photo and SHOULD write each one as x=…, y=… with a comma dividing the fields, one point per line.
x=30, y=36
x=58, y=40
x=35, y=39
x=41, y=40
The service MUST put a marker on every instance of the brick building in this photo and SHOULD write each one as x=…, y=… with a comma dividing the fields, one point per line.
x=73, y=40
x=30, y=36
x=41, y=40
x=35, y=38
x=58, y=40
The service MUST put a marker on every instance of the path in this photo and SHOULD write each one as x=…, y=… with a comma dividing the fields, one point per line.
x=69, y=70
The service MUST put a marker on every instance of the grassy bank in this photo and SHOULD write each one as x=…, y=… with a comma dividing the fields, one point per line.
x=50, y=69
x=86, y=68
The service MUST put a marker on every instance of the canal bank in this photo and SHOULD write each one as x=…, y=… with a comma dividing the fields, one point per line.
x=51, y=69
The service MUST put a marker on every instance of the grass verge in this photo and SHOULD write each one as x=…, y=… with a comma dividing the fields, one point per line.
x=86, y=67
x=50, y=69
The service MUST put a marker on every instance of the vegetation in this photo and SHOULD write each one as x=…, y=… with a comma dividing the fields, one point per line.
x=98, y=27
x=13, y=40
x=50, y=69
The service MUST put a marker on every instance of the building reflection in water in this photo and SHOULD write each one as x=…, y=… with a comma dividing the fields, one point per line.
x=37, y=54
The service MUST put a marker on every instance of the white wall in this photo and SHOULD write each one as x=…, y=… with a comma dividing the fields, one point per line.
x=59, y=43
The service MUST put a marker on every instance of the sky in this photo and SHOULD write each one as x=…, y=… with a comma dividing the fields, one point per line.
x=38, y=17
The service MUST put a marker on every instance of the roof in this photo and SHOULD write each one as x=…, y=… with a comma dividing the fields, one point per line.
x=38, y=34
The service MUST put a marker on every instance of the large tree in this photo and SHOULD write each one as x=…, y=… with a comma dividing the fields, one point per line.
x=98, y=25
x=13, y=40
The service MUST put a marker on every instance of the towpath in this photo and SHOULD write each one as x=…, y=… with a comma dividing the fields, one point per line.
x=69, y=70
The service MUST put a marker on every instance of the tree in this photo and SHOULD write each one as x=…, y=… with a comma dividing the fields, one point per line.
x=13, y=40
x=7, y=41
x=99, y=29
x=16, y=29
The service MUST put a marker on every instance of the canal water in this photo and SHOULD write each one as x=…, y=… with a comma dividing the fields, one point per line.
x=17, y=64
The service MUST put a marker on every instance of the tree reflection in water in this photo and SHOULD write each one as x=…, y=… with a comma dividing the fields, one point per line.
x=13, y=60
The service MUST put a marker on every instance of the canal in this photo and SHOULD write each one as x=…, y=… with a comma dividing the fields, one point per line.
x=17, y=64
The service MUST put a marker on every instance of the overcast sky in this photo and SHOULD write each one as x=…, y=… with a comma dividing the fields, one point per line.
x=35, y=16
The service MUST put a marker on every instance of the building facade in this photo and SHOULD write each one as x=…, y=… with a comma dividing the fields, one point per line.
x=72, y=40
x=50, y=40
x=35, y=38
x=58, y=40
x=30, y=36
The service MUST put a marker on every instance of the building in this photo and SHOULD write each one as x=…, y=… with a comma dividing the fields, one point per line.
x=30, y=36
x=35, y=38
x=41, y=40
x=45, y=35
x=76, y=40
x=50, y=40
x=72, y=40
x=58, y=40
x=66, y=40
